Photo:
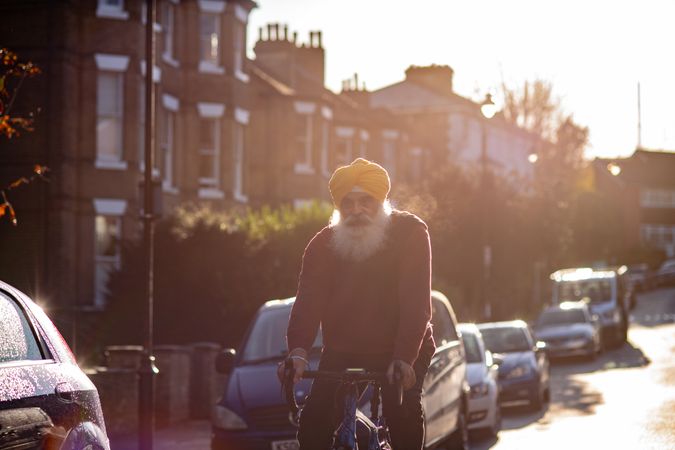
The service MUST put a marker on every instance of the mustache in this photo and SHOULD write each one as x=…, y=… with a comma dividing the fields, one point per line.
x=358, y=220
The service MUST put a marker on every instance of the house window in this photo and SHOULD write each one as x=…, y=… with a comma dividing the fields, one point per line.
x=168, y=25
x=389, y=156
x=657, y=198
x=209, y=38
x=109, y=120
x=166, y=145
x=325, y=148
x=239, y=146
x=209, y=155
x=343, y=151
x=111, y=9
x=108, y=233
x=658, y=235
x=303, y=143
x=363, y=145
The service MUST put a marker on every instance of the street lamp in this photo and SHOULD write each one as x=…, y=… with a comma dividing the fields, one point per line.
x=488, y=109
x=147, y=369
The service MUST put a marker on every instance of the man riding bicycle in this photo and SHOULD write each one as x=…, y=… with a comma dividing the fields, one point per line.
x=366, y=280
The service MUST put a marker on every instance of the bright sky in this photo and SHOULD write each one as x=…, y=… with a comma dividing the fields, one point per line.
x=594, y=52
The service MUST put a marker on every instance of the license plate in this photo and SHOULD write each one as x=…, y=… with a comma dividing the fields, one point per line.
x=286, y=445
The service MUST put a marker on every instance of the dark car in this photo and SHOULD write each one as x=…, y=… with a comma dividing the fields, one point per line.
x=44, y=396
x=641, y=277
x=569, y=329
x=665, y=275
x=524, y=367
x=252, y=413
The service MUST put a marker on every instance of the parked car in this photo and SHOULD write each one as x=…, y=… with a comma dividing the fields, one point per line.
x=482, y=374
x=524, y=370
x=665, y=275
x=253, y=415
x=45, y=398
x=569, y=329
x=641, y=277
x=603, y=290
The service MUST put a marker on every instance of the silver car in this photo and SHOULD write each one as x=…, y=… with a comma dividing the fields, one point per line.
x=569, y=329
x=482, y=374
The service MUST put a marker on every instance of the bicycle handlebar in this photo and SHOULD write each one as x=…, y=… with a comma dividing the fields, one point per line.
x=348, y=375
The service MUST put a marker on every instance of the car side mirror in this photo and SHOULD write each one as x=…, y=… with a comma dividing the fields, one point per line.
x=225, y=361
x=595, y=318
x=497, y=359
x=540, y=346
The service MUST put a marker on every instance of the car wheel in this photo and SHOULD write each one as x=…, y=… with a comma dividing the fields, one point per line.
x=459, y=440
x=497, y=424
x=537, y=402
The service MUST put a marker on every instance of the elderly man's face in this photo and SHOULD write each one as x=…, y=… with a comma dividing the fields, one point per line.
x=358, y=209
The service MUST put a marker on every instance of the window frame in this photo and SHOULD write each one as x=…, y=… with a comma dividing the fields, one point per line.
x=105, y=160
x=304, y=165
x=46, y=355
x=114, y=208
x=104, y=10
x=207, y=65
x=211, y=182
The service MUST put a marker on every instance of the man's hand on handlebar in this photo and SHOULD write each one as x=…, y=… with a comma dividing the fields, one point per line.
x=408, y=377
x=298, y=357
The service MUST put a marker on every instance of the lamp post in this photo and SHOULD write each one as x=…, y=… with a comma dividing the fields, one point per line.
x=488, y=109
x=148, y=370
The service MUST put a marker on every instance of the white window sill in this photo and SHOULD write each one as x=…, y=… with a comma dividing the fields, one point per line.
x=112, y=165
x=208, y=67
x=304, y=169
x=241, y=198
x=241, y=76
x=170, y=61
x=112, y=13
x=210, y=193
x=170, y=189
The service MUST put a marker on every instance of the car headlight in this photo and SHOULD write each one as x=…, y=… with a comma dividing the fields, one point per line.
x=518, y=372
x=479, y=390
x=227, y=419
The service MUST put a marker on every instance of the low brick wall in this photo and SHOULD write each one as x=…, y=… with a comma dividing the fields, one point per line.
x=118, y=391
x=172, y=390
x=206, y=385
x=187, y=386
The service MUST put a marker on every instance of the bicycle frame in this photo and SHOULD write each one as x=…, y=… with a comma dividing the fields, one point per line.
x=345, y=434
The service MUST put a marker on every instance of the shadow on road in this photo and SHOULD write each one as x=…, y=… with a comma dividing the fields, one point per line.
x=626, y=356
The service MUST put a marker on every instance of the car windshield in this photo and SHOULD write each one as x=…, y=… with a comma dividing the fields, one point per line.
x=472, y=348
x=268, y=336
x=561, y=317
x=593, y=290
x=506, y=339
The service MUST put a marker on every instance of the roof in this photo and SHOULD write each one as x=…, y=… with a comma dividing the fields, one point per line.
x=651, y=168
x=410, y=96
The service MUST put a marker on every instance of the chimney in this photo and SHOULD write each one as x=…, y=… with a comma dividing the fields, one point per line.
x=435, y=77
x=350, y=89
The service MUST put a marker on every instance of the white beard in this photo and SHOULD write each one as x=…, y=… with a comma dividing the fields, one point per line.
x=357, y=243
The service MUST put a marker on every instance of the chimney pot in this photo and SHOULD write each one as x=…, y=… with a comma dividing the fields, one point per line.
x=356, y=81
x=286, y=32
x=276, y=32
x=318, y=33
x=260, y=33
x=295, y=37
x=269, y=31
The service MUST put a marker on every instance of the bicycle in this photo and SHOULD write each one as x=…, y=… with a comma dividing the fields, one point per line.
x=346, y=433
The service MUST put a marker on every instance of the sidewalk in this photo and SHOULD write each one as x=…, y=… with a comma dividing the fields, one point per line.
x=191, y=435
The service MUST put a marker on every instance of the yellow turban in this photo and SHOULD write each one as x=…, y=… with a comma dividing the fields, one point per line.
x=371, y=177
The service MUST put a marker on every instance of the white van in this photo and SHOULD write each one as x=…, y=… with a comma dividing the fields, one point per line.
x=603, y=291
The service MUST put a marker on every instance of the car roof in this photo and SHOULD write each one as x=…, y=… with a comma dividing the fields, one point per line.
x=503, y=324
x=582, y=273
x=565, y=306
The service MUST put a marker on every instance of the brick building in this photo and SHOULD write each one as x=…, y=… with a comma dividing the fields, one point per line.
x=644, y=185
x=454, y=125
x=90, y=131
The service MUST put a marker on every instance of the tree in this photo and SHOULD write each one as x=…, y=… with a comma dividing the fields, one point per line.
x=213, y=270
x=12, y=75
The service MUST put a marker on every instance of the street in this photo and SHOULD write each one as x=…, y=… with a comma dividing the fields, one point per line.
x=623, y=400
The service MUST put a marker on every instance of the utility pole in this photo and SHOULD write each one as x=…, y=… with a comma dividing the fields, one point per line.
x=148, y=370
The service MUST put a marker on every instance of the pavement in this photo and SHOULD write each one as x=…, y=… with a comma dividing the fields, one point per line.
x=190, y=435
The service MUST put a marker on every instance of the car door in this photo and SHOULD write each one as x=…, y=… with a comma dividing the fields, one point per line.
x=445, y=379
x=30, y=376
